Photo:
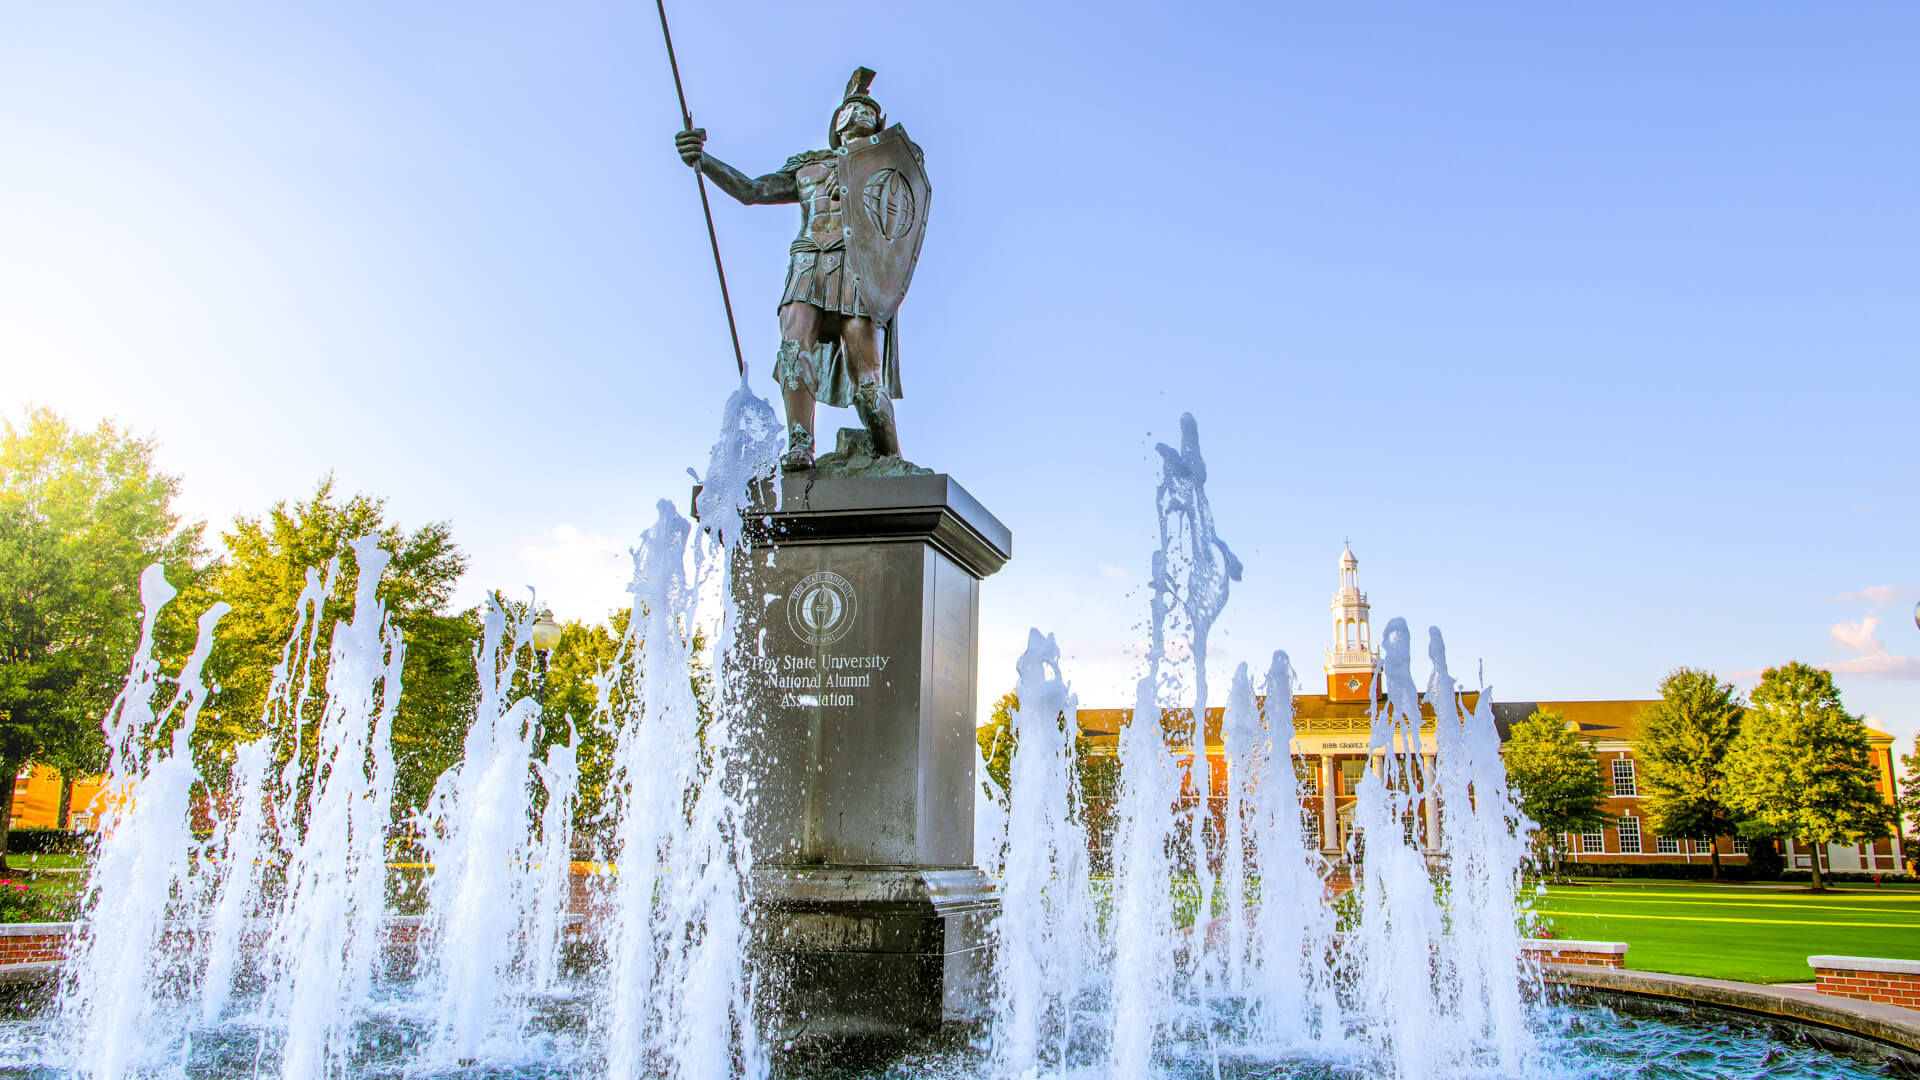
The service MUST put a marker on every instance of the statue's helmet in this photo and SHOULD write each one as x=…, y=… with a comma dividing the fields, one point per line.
x=856, y=94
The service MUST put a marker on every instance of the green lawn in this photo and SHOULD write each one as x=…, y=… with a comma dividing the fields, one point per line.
x=1750, y=932
x=51, y=893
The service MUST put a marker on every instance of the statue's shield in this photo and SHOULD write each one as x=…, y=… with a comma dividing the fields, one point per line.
x=885, y=197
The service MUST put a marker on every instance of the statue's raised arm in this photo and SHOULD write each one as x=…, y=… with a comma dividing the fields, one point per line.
x=773, y=188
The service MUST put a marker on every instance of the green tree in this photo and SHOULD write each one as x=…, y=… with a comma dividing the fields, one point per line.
x=588, y=654
x=262, y=577
x=1684, y=739
x=1557, y=774
x=589, y=687
x=1801, y=766
x=82, y=514
x=996, y=738
x=1909, y=804
x=1096, y=775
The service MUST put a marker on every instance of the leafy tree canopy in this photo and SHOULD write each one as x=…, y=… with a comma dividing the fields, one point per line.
x=1557, y=774
x=268, y=559
x=996, y=738
x=1910, y=786
x=1684, y=739
x=82, y=514
x=1801, y=766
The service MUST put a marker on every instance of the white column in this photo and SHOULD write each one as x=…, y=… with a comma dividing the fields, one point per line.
x=1329, y=817
x=1432, y=779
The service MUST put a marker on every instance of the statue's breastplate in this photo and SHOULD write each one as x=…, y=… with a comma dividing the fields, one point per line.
x=819, y=185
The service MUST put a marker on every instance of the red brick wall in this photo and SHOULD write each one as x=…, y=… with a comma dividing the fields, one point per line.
x=1892, y=988
x=1575, y=957
x=33, y=949
x=1584, y=959
x=51, y=945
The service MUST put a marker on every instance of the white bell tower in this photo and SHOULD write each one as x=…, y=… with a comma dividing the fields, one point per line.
x=1350, y=658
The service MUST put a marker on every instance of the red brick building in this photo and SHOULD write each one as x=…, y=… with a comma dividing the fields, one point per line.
x=1330, y=756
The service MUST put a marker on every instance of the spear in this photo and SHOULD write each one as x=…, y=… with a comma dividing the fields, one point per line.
x=700, y=179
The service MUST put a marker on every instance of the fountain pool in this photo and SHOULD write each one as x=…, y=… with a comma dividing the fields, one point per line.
x=394, y=1036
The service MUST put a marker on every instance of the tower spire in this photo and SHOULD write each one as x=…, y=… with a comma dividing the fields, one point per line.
x=1350, y=657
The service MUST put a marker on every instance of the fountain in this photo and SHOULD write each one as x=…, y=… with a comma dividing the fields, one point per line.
x=746, y=908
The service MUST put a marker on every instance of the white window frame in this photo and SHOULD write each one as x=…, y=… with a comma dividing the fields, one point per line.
x=1629, y=837
x=1666, y=845
x=1308, y=777
x=1593, y=843
x=1350, y=778
x=1741, y=846
x=1625, y=782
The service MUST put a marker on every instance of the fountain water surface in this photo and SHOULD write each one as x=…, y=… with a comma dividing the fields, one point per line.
x=1211, y=947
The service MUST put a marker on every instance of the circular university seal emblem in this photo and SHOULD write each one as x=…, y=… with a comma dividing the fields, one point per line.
x=820, y=609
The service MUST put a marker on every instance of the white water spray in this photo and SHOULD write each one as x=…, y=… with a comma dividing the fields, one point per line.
x=1043, y=952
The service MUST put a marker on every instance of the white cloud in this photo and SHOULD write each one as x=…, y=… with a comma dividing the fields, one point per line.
x=1879, y=594
x=1112, y=571
x=580, y=575
x=1857, y=636
x=1880, y=665
x=1874, y=661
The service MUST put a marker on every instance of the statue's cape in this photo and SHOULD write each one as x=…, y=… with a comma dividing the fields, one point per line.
x=835, y=382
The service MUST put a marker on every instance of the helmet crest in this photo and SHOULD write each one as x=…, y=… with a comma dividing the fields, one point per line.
x=856, y=91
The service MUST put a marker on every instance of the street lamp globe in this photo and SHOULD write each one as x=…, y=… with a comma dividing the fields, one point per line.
x=546, y=632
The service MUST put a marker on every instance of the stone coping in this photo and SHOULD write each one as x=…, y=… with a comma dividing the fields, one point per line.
x=49, y=929
x=1880, y=1024
x=1602, y=948
x=1864, y=963
x=35, y=929
x=38, y=972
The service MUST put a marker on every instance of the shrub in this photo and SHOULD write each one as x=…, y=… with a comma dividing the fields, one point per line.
x=1670, y=871
x=18, y=904
x=1828, y=877
x=1763, y=858
x=49, y=842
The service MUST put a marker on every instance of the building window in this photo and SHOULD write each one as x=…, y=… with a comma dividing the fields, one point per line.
x=1703, y=847
x=1740, y=845
x=1307, y=772
x=1623, y=777
x=1666, y=845
x=1310, y=831
x=1593, y=842
x=1630, y=835
x=1408, y=824
x=1351, y=770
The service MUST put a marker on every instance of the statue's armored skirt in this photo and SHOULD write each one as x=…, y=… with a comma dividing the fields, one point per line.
x=819, y=278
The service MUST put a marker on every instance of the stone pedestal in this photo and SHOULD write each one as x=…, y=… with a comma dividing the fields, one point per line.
x=865, y=670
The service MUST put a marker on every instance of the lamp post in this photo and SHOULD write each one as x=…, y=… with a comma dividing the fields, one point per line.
x=546, y=635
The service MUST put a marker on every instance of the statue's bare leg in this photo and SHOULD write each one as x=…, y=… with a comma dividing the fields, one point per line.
x=870, y=398
x=798, y=377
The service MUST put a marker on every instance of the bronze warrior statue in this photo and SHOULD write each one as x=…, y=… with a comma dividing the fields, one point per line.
x=863, y=211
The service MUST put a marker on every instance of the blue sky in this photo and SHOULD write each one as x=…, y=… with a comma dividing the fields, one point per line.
x=1593, y=326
